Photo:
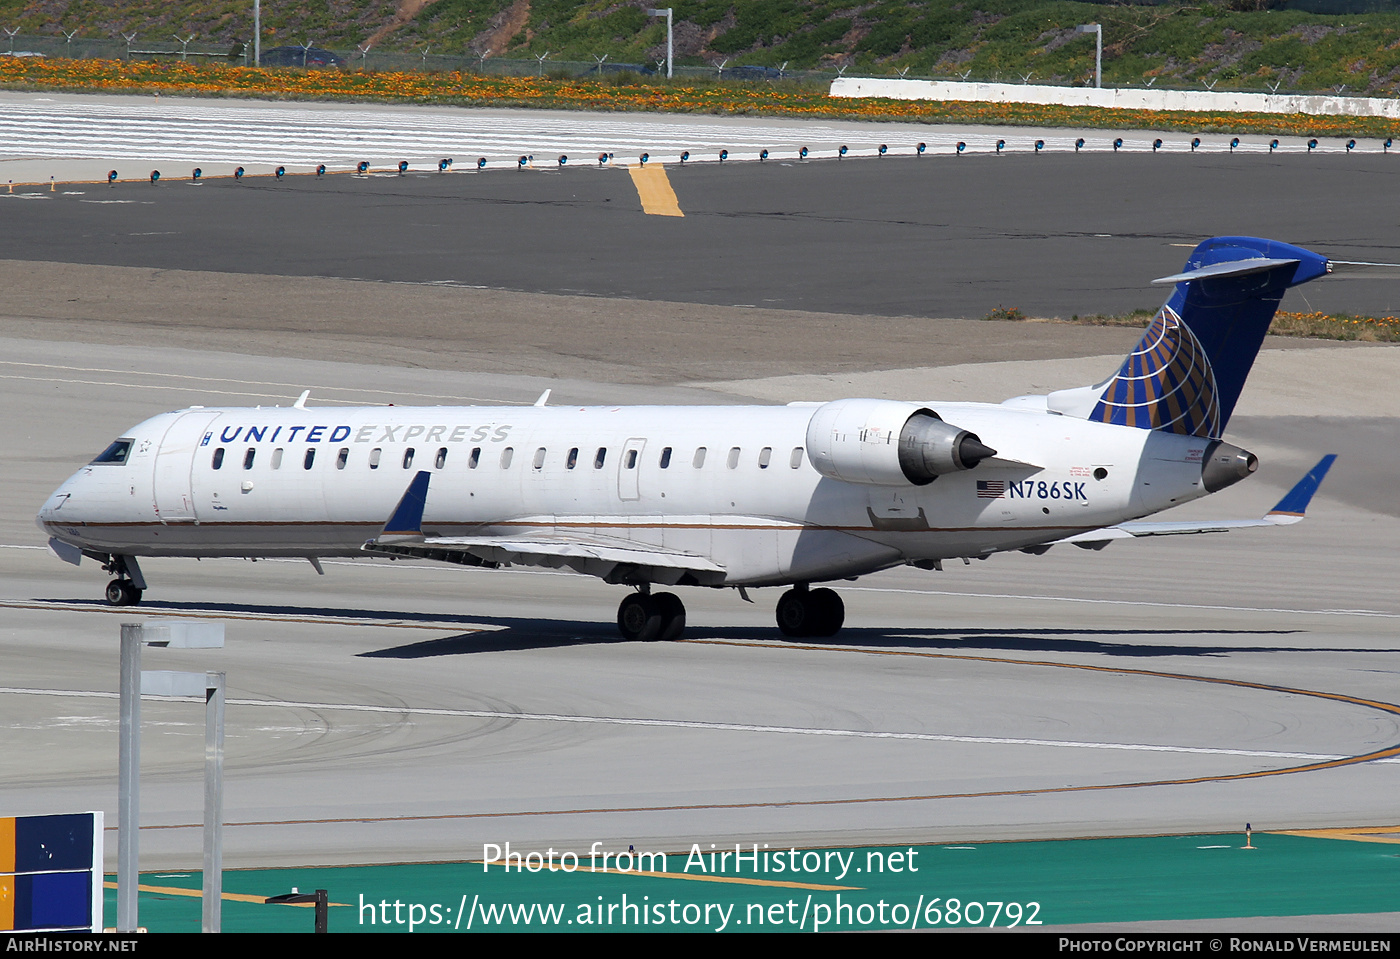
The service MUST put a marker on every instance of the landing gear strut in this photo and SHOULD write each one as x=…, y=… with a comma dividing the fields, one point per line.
x=816, y=612
x=127, y=588
x=645, y=618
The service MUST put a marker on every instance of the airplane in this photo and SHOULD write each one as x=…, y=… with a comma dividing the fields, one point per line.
x=741, y=497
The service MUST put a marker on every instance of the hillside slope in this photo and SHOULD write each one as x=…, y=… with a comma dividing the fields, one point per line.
x=1176, y=44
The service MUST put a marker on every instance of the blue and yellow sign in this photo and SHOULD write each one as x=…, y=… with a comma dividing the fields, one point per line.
x=48, y=872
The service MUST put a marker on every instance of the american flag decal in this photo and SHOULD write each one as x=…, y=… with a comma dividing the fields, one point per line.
x=991, y=489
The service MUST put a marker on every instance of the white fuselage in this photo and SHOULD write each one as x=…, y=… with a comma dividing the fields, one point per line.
x=734, y=484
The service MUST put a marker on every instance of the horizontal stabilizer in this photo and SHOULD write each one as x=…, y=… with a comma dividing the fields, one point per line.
x=1228, y=268
x=1289, y=510
x=1361, y=270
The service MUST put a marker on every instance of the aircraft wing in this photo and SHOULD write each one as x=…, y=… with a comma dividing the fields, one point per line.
x=614, y=560
x=1287, y=511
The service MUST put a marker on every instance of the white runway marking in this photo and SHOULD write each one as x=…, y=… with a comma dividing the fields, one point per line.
x=200, y=384
x=695, y=724
x=340, y=135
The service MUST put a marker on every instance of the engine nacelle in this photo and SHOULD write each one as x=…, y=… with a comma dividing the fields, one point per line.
x=888, y=443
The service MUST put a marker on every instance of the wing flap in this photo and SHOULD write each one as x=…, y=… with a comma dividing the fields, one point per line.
x=613, y=560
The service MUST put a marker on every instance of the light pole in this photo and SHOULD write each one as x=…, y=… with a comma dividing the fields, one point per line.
x=178, y=634
x=257, y=33
x=1097, y=30
x=669, y=47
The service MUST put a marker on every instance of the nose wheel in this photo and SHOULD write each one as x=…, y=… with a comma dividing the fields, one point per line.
x=814, y=612
x=123, y=592
x=646, y=618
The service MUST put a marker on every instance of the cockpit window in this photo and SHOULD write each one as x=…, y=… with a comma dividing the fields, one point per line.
x=116, y=453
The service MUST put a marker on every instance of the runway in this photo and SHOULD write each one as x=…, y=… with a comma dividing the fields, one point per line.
x=397, y=712
x=83, y=134
x=401, y=712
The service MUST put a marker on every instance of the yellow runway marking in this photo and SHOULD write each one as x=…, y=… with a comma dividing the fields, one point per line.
x=654, y=188
x=1354, y=833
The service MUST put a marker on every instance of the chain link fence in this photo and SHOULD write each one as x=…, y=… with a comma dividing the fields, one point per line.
x=294, y=56
x=240, y=54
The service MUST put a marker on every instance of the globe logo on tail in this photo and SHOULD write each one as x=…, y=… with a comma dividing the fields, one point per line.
x=1165, y=384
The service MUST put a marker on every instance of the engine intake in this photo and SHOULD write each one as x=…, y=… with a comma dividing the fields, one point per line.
x=887, y=443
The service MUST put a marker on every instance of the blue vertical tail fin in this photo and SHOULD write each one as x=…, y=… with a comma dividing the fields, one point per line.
x=1186, y=374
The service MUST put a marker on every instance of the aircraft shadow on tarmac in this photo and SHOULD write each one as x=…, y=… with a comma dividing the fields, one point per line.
x=517, y=634
x=524, y=634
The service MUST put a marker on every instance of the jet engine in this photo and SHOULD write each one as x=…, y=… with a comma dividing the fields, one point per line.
x=888, y=443
x=1224, y=465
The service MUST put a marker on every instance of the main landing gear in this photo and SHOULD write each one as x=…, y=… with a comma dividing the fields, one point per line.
x=815, y=612
x=802, y=612
x=645, y=617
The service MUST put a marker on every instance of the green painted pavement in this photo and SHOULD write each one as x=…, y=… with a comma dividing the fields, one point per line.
x=1074, y=881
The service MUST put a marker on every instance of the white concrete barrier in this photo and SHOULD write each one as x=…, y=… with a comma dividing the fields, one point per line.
x=1147, y=99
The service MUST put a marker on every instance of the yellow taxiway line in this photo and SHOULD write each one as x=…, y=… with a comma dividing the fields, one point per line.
x=654, y=188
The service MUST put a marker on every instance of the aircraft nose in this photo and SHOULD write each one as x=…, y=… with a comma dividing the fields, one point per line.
x=49, y=512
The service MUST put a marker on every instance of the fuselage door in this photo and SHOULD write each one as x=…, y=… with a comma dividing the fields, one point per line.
x=171, y=487
x=629, y=468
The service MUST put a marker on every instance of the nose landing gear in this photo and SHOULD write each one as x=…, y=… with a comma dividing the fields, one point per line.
x=123, y=592
x=817, y=612
x=128, y=587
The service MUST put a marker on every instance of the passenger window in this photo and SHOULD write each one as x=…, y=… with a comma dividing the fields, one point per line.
x=475, y=458
x=631, y=459
x=539, y=458
x=573, y=458
x=277, y=458
x=408, y=458
x=734, y=458
x=248, y=457
x=374, y=455
x=218, y=460
x=796, y=460
x=765, y=456
x=699, y=457
x=506, y=455
x=441, y=460
x=310, y=458
x=342, y=458
x=598, y=460
x=666, y=458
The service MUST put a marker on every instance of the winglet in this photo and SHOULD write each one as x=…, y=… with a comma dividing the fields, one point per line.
x=406, y=522
x=1294, y=504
